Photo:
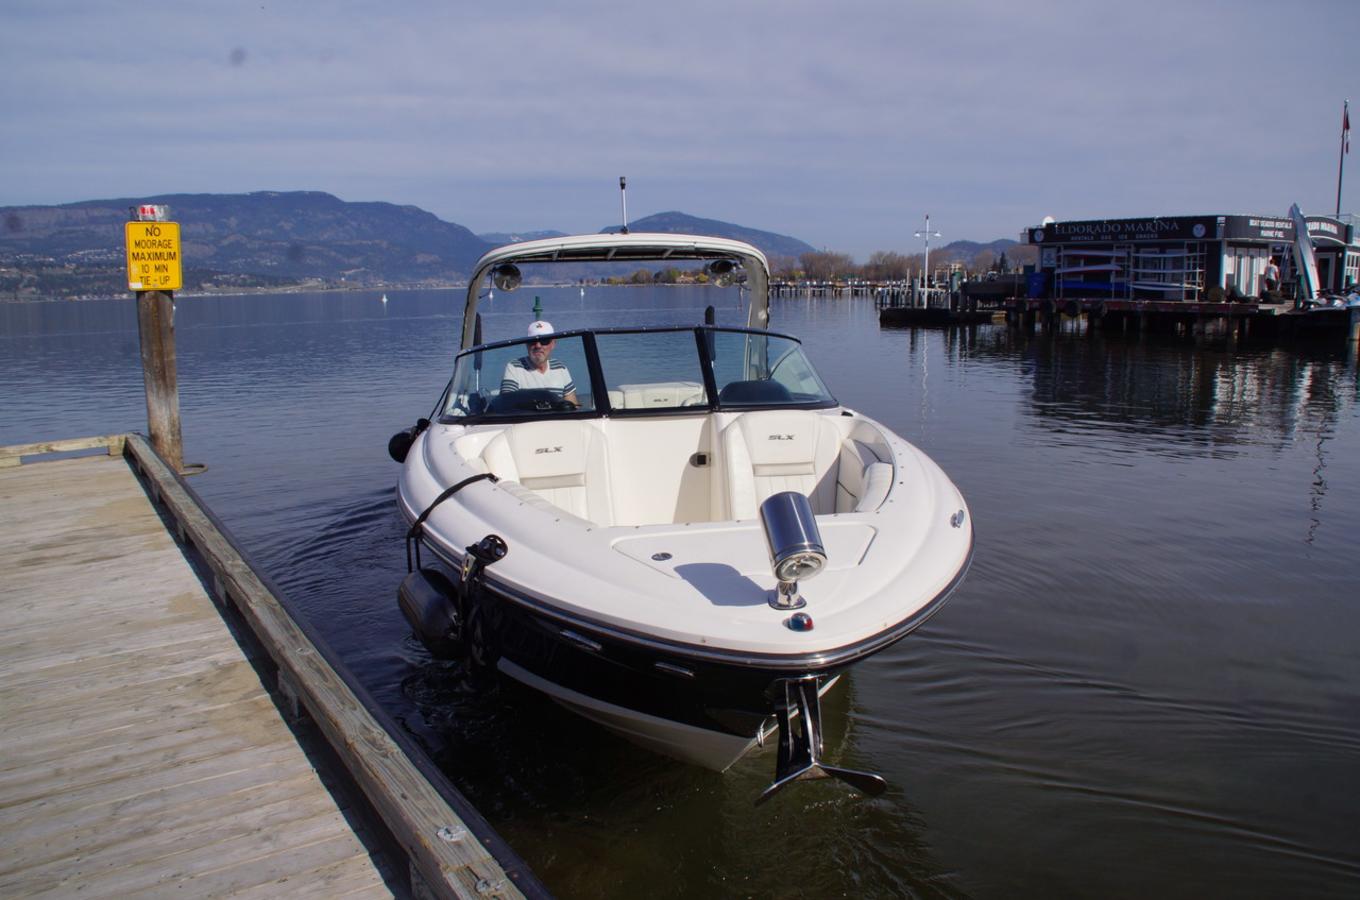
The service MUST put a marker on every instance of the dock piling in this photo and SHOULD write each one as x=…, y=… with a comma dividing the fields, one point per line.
x=156, y=331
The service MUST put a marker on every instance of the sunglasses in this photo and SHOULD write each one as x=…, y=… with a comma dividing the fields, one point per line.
x=541, y=342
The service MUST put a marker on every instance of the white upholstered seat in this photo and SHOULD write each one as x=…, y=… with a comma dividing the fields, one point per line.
x=771, y=451
x=663, y=395
x=768, y=452
x=863, y=480
x=565, y=463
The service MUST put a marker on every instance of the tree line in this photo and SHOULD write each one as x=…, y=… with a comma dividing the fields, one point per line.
x=882, y=265
x=887, y=265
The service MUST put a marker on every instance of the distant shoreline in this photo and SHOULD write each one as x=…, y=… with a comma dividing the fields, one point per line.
x=248, y=292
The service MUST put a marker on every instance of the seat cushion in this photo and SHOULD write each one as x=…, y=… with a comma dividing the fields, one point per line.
x=862, y=478
x=771, y=451
x=662, y=395
x=566, y=463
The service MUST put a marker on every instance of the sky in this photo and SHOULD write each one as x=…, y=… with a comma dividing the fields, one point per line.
x=842, y=124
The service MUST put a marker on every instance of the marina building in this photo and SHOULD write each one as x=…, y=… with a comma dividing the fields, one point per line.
x=1185, y=258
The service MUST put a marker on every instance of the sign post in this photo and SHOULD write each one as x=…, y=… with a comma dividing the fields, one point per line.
x=154, y=272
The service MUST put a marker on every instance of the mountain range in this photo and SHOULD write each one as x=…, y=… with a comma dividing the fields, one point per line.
x=679, y=223
x=272, y=239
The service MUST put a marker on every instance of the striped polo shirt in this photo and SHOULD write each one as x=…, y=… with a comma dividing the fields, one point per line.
x=520, y=374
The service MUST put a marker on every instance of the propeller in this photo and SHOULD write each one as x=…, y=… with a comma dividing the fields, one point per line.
x=800, y=752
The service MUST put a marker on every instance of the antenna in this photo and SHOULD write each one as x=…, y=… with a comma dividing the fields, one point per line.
x=623, y=197
x=925, y=266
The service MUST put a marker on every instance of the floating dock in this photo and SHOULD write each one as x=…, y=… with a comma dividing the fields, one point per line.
x=1238, y=319
x=933, y=315
x=1273, y=320
x=157, y=702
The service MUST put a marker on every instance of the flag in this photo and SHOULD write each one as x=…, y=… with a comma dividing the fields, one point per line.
x=1346, y=127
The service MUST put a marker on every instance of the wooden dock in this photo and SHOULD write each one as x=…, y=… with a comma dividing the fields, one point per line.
x=145, y=748
x=977, y=304
x=927, y=316
x=1237, y=319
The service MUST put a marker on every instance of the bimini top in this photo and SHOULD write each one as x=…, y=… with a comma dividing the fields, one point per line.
x=627, y=248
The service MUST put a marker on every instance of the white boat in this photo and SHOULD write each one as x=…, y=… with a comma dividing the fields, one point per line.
x=645, y=554
x=1305, y=259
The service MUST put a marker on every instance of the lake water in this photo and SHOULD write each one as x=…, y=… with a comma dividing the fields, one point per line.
x=1149, y=684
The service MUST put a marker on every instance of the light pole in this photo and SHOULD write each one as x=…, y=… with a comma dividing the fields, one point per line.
x=925, y=266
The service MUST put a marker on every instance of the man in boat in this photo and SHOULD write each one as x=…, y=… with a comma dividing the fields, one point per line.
x=538, y=369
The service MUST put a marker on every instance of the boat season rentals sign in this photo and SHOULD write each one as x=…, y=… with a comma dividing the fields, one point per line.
x=153, y=257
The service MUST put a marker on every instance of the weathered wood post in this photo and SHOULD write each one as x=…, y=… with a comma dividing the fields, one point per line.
x=156, y=332
x=154, y=272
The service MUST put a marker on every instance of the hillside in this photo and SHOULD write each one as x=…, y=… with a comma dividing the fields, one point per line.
x=680, y=223
x=260, y=239
x=501, y=238
x=271, y=239
x=967, y=250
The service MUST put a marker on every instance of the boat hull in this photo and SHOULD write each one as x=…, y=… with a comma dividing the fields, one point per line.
x=706, y=747
x=614, y=680
x=684, y=702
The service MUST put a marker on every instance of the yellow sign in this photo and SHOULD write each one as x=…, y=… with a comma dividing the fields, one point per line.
x=153, y=259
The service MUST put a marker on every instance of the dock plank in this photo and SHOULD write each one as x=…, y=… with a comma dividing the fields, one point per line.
x=228, y=680
x=335, y=880
x=140, y=754
x=132, y=742
x=117, y=671
x=28, y=656
x=136, y=787
x=174, y=818
x=407, y=801
x=49, y=725
x=216, y=870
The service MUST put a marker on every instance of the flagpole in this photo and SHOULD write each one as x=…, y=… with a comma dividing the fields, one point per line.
x=1341, y=160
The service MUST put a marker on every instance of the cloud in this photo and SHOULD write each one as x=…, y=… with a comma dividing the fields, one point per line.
x=837, y=124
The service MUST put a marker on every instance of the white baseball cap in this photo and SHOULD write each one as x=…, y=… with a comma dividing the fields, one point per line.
x=540, y=327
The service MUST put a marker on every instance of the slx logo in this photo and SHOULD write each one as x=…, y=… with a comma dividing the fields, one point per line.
x=548, y=450
x=781, y=437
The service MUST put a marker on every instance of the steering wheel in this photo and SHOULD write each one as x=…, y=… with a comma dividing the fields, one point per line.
x=539, y=400
x=559, y=405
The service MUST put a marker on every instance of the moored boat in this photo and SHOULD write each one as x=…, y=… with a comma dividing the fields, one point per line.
x=676, y=532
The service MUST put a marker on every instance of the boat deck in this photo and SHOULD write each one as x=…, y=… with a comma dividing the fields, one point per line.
x=142, y=754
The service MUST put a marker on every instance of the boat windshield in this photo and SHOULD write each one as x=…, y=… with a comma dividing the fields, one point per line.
x=526, y=377
x=751, y=368
x=633, y=372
